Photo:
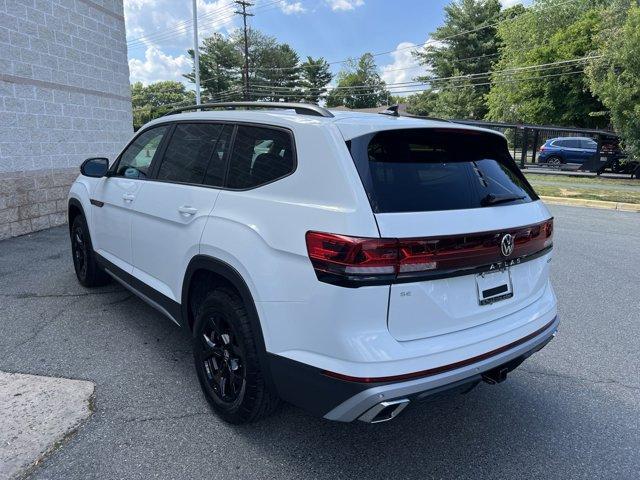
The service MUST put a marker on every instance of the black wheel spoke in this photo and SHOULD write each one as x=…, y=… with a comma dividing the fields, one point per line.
x=222, y=381
x=222, y=358
x=210, y=348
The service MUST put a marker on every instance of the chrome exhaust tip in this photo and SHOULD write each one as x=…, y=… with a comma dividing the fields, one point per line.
x=384, y=411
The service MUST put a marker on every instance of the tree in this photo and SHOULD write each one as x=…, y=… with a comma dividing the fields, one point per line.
x=220, y=66
x=274, y=70
x=156, y=99
x=315, y=76
x=459, y=101
x=460, y=47
x=615, y=77
x=359, y=85
x=527, y=84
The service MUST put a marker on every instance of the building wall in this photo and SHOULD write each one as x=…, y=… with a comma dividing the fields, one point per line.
x=64, y=97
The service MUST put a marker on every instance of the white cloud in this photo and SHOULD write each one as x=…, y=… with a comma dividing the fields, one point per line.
x=293, y=7
x=158, y=66
x=342, y=5
x=404, y=67
x=157, y=26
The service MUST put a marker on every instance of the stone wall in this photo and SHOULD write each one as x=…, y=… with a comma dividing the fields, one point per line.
x=64, y=97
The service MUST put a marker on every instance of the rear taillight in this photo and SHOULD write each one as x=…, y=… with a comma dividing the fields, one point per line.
x=355, y=261
x=343, y=259
x=541, y=149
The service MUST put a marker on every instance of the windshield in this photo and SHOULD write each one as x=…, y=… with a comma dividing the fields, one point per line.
x=437, y=169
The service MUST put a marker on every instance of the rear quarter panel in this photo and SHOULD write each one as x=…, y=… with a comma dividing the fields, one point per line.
x=261, y=233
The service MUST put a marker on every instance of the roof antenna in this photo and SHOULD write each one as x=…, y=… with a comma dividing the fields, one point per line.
x=391, y=110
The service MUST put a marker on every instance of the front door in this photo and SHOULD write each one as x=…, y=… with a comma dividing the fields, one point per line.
x=170, y=212
x=116, y=195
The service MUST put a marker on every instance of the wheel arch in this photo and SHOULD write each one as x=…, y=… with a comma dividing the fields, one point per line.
x=222, y=274
x=74, y=208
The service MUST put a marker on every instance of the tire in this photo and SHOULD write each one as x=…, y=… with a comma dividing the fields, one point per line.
x=554, y=162
x=226, y=360
x=84, y=261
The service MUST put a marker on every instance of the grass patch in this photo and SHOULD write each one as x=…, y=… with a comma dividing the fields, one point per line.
x=532, y=177
x=576, y=192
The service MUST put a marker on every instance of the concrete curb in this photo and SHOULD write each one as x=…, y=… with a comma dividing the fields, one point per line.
x=37, y=414
x=580, y=202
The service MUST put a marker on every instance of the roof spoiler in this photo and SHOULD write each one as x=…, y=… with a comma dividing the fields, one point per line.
x=391, y=110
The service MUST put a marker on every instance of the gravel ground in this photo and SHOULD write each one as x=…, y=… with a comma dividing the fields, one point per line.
x=571, y=411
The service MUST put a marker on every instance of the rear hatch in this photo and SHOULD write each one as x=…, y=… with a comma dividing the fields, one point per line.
x=472, y=236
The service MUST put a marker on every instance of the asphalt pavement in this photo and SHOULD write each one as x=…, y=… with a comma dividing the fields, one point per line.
x=571, y=411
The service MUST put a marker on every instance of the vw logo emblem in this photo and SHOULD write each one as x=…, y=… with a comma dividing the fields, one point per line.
x=506, y=244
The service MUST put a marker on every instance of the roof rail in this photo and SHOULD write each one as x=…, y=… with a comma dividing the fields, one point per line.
x=299, y=108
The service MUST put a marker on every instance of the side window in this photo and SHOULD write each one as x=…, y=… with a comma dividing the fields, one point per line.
x=589, y=144
x=217, y=165
x=136, y=159
x=189, y=152
x=573, y=144
x=260, y=155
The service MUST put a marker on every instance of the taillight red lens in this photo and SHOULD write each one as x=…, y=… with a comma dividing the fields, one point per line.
x=548, y=233
x=352, y=256
x=356, y=261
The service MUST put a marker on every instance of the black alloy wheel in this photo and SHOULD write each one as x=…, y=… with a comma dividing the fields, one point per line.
x=222, y=360
x=85, y=265
x=79, y=251
x=226, y=356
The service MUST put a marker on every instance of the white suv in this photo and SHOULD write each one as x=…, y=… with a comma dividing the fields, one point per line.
x=350, y=264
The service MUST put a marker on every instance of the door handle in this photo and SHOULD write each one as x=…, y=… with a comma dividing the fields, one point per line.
x=128, y=197
x=187, y=211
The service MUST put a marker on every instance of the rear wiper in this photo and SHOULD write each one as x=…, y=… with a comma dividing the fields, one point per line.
x=492, y=199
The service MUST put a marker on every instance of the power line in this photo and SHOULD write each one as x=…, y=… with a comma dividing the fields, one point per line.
x=417, y=90
x=178, y=31
x=181, y=26
x=450, y=37
x=437, y=80
x=450, y=79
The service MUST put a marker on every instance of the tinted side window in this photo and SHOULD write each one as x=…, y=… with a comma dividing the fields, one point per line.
x=588, y=144
x=189, y=151
x=573, y=144
x=217, y=164
x=136, y=159
x=260, y=155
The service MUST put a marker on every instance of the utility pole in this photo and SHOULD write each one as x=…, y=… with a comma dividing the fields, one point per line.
x=196, y=50
x=244, y=4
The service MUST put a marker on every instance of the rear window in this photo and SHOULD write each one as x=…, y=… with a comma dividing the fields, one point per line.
x=260, y=155
x=417, y=170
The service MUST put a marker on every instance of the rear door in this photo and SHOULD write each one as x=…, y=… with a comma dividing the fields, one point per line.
x=171, y=210
x=589, y=148
x=452, y=196
x=573, y=151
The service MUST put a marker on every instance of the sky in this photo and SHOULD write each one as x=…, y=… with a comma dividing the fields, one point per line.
x=159, y=32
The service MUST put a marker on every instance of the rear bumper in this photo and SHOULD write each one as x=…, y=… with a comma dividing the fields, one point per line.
x=345, y=401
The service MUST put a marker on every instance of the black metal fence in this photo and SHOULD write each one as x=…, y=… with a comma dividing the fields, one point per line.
x=525, y=141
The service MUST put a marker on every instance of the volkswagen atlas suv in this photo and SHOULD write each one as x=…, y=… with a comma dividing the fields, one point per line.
x=350, y=264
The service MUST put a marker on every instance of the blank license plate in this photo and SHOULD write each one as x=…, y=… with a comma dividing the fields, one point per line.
x=494, y=286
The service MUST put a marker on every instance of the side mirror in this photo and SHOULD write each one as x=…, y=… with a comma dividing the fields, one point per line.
x=95, y=167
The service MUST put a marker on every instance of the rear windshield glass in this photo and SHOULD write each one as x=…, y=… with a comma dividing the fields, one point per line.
x=417, y=170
